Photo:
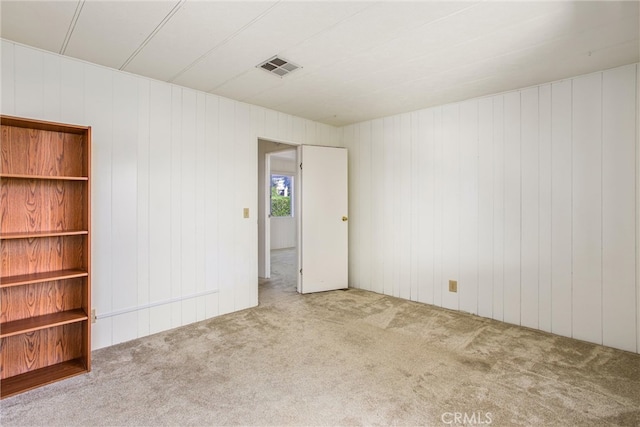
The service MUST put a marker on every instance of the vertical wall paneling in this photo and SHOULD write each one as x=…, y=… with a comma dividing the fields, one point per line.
x=7, y=78
x=544, y=199
x=522, y=197
x=142, y=225
x=172, y=170
x=99, y=112
x=201, y=219
x=587, y=208
x=450, y=203
x=468, y=270
x=211, y=202
x=561, y=218
x=498, y=207
x=619, y=207
x=426, y=206
x=352, y=135
x=512, y=207
x=190, y=187
x=388, y=208
x=365, y=194
x=29, y=82
x=403, y=192
x=74, y=99
x=530, y=208
x=415, y=204
x=485, y=207
x=124, y=216
x=227, y=213
x=246, y=233
x=378, y=183
x=159, y=205
x=176, y=205
x=438, y=171
x=51, y=96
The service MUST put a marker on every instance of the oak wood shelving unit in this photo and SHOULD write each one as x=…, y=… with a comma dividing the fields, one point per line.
x=45, y=281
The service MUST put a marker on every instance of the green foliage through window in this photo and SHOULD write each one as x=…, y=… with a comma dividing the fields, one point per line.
x=281, y=191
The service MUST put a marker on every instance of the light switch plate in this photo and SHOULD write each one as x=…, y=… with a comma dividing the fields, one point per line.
x=246, y=212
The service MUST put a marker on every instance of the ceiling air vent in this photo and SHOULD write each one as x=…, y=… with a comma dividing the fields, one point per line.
x=278, y=66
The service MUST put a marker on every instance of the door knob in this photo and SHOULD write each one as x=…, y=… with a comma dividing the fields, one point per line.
x=344, y=218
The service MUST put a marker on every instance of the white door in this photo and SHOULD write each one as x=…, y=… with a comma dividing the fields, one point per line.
x=323, y=225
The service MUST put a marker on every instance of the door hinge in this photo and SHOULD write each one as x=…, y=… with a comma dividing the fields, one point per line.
x=300, y=271
x=300, y=166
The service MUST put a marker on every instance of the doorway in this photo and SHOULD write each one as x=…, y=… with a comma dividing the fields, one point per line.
x=277, y=229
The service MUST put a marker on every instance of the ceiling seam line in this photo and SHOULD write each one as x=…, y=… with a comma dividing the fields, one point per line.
x=72, y=26
x=155, y=31
x=223, y=42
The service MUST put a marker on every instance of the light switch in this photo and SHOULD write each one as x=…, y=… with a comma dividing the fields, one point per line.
x=246, y=212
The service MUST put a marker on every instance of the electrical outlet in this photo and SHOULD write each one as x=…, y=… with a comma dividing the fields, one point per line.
x=93, y=315
x=453, y=286
x=246, y=212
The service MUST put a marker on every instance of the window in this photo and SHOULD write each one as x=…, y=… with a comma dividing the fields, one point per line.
x=281, y=195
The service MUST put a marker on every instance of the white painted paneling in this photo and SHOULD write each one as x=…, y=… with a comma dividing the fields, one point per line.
x=226, y=205
x=74, y=98
x=388, y=209
x=530, y=172
x=175, y=191
x=167, y=206
x=142, y=226
x=124, y=188
x=498, y=207
x=122, y=330
x=426, y=206
x=99, y=113
x=501, y=201
x=512, y=208
x=246, y=232
x=438, y=171
x=468, y=285
x=365, y=193
x=544, y=232
x=190, y=188
x=561, y=218
x=51, y=87
x=201, y=219
x=485, y=207
x=7, y=78
x=159, y=205
x=450, y=203
x=378, y=185
x=395, y=197
x=587, y=208
x=403, y=213
x=619, y=207
x=29, y=82
x=211, y=202
x=415, y=205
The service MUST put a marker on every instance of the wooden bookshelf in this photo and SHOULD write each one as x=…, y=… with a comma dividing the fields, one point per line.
x=45, y=282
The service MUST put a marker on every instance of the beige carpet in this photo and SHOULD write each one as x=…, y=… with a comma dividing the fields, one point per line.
x=342, y=358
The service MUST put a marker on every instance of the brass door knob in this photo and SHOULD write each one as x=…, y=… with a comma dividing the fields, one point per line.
x=344, y=218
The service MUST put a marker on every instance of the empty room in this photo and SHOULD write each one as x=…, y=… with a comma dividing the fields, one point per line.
x=304, y=213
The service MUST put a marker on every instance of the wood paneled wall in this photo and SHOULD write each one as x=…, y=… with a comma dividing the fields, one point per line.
x=529, y=199
x=173, y=169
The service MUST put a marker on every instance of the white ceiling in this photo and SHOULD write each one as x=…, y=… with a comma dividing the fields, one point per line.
x=361, y=60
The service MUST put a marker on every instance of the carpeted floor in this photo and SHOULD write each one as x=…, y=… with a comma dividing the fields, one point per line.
x=342, y=358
